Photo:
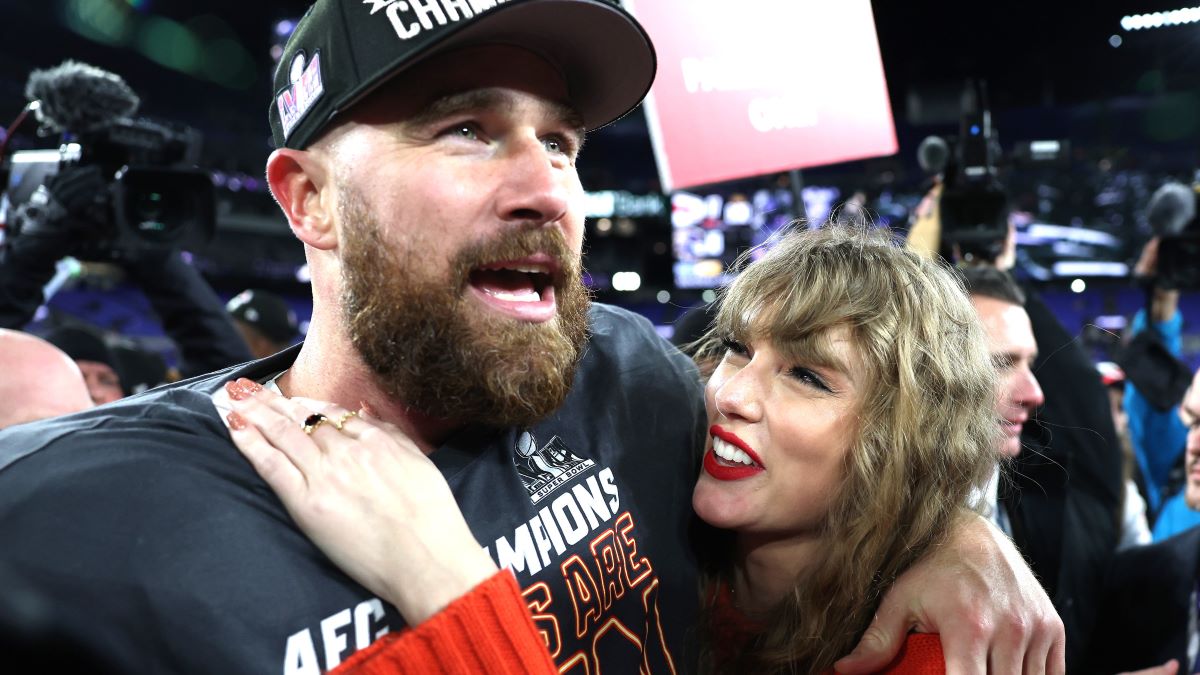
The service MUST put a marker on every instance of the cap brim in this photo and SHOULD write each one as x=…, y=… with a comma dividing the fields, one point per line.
x=605, y=57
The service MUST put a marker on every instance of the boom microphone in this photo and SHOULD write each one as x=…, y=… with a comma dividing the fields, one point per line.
x=79, y=98
x=932, y=154
x=1171, y=208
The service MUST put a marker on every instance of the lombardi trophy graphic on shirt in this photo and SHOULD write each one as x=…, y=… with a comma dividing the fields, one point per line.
x=543, y=470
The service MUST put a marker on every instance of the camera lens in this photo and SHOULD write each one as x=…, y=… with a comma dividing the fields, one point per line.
x=148, y=211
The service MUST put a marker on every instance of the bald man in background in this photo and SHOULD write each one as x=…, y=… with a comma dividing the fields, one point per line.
x=37, y=380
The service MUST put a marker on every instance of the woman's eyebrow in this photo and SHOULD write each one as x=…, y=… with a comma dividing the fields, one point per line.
x=819, y=353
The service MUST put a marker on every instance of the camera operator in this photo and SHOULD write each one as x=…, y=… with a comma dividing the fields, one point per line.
x=88, y=207
x=1063, y=492
x=49, y=226
x=48, y=221
x=1156, y=378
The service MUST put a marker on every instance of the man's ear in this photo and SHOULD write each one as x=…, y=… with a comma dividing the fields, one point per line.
x=299, y=182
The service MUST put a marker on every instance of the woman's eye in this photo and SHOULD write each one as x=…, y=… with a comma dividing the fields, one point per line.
x=734, y=347
x=808, y=377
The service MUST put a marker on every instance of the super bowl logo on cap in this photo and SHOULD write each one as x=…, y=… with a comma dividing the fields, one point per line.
x=305, y=88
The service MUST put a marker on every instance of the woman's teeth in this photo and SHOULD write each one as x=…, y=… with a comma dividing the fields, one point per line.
x=730, y=453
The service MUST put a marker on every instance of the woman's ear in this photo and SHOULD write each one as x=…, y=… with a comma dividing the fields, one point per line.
x=298, y=181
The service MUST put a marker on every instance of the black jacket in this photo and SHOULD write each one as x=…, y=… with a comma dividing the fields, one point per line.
x=1064, y=492
x=191, y=313
x=1145, y=607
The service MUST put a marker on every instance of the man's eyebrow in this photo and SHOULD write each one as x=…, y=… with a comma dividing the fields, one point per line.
x=1188, y=413
x=494, y=100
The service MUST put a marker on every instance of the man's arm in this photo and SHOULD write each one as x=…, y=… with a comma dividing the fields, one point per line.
x=1156, y=435
x=976, y=592
x=43, y=231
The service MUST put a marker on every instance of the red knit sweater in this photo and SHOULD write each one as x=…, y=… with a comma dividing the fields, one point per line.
x=489, y=630
x=921, y=653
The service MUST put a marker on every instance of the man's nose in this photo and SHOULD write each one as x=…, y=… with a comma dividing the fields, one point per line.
x=1029, y=391
x=533, y=188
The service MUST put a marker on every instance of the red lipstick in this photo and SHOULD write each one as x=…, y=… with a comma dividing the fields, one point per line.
x=720, y=471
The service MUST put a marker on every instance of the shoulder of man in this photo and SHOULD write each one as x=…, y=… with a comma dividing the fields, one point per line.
x=628, y=363
x=143, y=515
x=631, y=340
x=157, y=418
x=165, y=447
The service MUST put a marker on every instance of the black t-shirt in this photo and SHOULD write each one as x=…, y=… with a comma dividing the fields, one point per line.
x=143, y=516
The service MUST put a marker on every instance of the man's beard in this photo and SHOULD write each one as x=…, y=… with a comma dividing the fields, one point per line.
x=440, y=353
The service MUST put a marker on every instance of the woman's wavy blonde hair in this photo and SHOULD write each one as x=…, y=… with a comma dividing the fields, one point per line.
x=926, y=423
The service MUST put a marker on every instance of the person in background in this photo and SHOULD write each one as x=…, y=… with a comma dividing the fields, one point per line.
x=1155, y=431
x=1189, y=414
x=50, y=226
x=37, y=380
x=264, y=321
x=1151, y=595
x=1135, y=526
x=1067, y=532
x=94, y=358
x=1067, y=481
x=141, y=369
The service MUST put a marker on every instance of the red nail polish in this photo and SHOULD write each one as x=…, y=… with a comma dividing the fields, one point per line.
x=366, y=409
x=235, y=421
x=250, y=386
x=236, y=391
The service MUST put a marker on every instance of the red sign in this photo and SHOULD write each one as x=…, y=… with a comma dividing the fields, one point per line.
x=759, y=86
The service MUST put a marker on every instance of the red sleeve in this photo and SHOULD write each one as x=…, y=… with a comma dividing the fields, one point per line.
x=487, y=630
x=920, y=655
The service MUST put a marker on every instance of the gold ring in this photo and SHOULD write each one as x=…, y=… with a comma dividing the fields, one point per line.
x=341, y=420
x=313, y=421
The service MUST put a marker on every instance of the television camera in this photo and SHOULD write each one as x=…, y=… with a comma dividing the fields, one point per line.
x=153, y=199
x=974, y=204
x=1172, y=215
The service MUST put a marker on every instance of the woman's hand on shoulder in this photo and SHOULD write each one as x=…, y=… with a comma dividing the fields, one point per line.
x=363, y=493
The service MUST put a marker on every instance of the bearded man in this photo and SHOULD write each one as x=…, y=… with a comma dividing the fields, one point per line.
x=425, y=158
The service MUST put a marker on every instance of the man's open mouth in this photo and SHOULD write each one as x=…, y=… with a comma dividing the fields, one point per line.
x=521, y=288
x=515, y=282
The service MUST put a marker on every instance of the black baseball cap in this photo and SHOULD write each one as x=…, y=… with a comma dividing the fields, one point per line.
x=342, y=50
x=267, y=312
x=82, y=344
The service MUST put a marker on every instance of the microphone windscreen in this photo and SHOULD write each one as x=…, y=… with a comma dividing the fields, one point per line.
x=1171, y=208
x=79, y=98
x=932, y=154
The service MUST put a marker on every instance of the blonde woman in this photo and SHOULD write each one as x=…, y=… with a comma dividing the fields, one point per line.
x=857, y=379
x=851, y=414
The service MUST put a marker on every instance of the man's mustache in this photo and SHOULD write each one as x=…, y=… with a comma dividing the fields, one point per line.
x=520, y=242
